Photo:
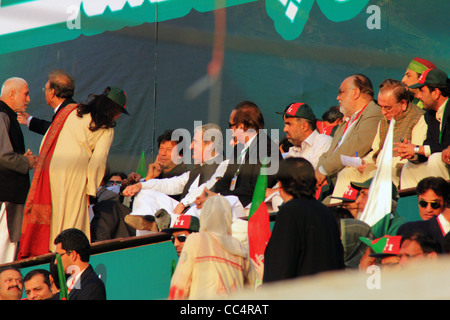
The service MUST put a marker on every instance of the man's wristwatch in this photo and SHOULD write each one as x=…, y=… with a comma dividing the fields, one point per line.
x=416, y=149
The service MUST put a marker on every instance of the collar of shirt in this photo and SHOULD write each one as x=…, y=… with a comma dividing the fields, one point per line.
x=306, y=144
x=445, y=224
x=56, y=109
x=309, y=141
x=351, y=122
x=440, y=112
x=246, y=146
x=73, y=279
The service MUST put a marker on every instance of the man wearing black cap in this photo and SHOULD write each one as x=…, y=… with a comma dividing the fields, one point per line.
x=300, y=128
x=431, y=158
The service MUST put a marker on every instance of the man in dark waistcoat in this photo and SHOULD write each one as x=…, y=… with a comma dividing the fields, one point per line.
x=15, y=162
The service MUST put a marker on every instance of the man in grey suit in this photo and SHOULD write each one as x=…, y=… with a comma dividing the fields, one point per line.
x=354, y=136
x=15, y=163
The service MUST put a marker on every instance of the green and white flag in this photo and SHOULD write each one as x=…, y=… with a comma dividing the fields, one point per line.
x=379, y=203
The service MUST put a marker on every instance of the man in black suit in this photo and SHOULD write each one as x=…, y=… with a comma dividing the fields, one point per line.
x=252, y=147
x=59, y=91
x=83, y=283
x=435, y=228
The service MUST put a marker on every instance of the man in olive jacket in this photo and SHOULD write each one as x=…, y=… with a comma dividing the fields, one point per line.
x=354, y=136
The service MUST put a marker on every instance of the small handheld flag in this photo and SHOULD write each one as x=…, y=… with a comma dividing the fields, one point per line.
x=142, y=168
x=63, y=293
x=258, y=220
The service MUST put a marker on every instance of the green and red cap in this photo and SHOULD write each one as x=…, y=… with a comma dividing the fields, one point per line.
x=434, y=77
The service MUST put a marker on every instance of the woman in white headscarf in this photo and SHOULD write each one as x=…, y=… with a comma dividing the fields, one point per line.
x=212, y=264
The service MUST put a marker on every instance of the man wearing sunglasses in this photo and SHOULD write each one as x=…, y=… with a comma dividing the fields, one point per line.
x=182, y=226
x=436, y=227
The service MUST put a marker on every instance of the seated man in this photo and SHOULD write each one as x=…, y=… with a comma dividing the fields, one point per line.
x=252, y=148
x=384, y=251
x=167, y=163
x=347, y=201
x=418, y=246
x=153, y=195
x=39, y=285
x=431, y=157
x=331, y=120
x=413, y=71
x=300, y=128
x=432, y=193
x=301, y=131
x=410, y=125
x=354, y=136
x=11, y=284
x=180, y=228
x=83, y=283
x=107, y=210
x=395, y=220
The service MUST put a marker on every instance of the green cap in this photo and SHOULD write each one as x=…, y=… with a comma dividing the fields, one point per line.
x=118, y=96
x=386, y=245
x=419, y=65
x=299, y=110
x=435, y=77
x=366, y=185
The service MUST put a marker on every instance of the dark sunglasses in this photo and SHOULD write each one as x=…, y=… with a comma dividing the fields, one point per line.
x=435, y=205
x=180, y=237
x=111, y=183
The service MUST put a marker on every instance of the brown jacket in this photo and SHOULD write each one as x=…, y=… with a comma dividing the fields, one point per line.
x=358, y=140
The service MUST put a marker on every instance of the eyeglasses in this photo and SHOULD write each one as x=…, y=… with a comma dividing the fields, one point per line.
x=67, y=252
x=230, y=125
x=180, y=238
x=342, y=91
x=435, y=205
x=111, y=183
x=389, y=108
x=45, y=89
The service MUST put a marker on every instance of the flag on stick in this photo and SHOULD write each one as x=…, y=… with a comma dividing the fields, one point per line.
x=258, y=220
x=379, y=203
x=142, y=168
x=63, y=292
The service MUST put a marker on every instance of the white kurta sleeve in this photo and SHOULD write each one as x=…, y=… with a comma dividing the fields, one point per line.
x=170, y=186
x=194, y=192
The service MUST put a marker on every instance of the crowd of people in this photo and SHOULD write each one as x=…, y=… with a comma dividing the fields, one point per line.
x=318, y=181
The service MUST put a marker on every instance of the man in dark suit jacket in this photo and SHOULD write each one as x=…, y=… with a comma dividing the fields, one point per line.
x=59, y=91
x=247, y=124
x=430, y=227
x=74, y=248
x=435, y=228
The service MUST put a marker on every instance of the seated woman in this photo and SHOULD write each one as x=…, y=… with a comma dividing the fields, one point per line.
x=212, y=264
